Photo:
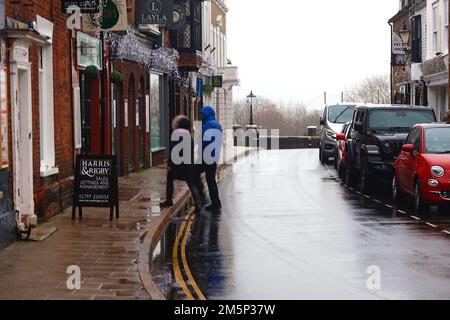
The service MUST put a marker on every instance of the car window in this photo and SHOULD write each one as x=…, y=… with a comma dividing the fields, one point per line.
x=415, y=139
x=398, y=120
x=340, y=113
x=437, y=140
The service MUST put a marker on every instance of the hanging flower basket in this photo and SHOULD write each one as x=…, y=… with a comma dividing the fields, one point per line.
x=116, y=77
x=91, y=72
x=208, y=89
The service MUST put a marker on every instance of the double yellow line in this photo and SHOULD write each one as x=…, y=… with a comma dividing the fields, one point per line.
x=185, y=229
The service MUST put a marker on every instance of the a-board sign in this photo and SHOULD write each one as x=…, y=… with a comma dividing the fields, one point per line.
x=96, y=183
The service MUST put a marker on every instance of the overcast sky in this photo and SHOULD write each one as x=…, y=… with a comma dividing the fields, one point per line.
x=294, y=50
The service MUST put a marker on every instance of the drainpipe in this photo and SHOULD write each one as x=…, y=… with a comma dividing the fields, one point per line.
x=391, y=78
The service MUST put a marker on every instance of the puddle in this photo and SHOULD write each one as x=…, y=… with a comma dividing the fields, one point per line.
x=161, y=263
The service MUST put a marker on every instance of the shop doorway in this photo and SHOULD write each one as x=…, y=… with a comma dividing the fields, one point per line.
x=131, y=112
x=140, y=121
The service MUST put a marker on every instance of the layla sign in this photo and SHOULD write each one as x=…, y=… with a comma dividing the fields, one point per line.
x=154, y=12
x=96, y=183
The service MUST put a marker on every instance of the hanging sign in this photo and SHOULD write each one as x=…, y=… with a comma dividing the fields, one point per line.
x=96, y=184
x=398, y=51
x=114, y=17
x=86, y=6
x=217, y=81
x=153, y=12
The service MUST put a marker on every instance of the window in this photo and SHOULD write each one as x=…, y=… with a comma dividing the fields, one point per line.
x=155, y=111
x=189, y=37
x=417, y=40
x=434, y=26
x=445, y=48
x=340, y=114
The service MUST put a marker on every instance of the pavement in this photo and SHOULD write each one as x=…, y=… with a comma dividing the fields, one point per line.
x=290, y=230
x=107, y=253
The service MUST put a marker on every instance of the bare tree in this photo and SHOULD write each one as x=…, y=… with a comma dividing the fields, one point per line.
x=374, y=89
x=291, y=119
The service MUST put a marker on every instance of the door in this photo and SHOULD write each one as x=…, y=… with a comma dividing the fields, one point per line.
x=140, y=121
x=23, y=155
x=116, y=125
x=131, y=112
x=408, y=163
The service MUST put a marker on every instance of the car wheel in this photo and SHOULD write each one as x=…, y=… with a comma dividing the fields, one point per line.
x=349, y=176
x=444, y=208
x=419, y=204
x=365, y=182
x=342, y=172
x=396, y=193
x=321, y=158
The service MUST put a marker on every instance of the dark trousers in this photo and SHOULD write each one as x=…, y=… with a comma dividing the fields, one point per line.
x=192, y=183
x=210, y=171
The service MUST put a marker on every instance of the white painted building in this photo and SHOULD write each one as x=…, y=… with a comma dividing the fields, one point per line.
x=214, y=35
x=435, y=66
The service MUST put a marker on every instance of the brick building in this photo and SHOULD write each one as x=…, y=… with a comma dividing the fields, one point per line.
x=421, y=78
x=40, y=148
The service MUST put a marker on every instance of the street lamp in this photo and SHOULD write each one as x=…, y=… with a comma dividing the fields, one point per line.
x=250, y=98
x=405, y=34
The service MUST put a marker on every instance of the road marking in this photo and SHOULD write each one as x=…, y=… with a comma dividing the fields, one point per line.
x=416, y=218
x=185, y=263
x=431, y=225
x=176, y=265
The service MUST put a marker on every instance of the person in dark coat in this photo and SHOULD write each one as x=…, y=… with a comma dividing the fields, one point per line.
x=211, y=148
x=181, y=166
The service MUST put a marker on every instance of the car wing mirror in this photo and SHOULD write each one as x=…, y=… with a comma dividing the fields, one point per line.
x=409, y=148
x=340, y=137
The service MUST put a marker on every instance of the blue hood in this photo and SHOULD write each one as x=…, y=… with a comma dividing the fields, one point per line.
x=208, y=114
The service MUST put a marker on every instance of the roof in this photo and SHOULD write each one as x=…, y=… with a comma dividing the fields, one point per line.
x=392, y=106
x=433, y=125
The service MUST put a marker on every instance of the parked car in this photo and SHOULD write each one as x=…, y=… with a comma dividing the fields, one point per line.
x=332, y=122
x=378, y=133
x=422, y=169
x=340, y=160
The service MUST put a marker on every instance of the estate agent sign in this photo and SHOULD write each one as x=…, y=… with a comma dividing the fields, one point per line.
x=86, y=6
x=96, y=184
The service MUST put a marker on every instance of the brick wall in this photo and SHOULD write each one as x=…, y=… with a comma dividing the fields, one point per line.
x=51, y=194
x=132, y=70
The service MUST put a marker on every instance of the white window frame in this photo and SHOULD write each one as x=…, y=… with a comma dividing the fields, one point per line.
x=46, y=101
x=434, y=27
x=445, y=36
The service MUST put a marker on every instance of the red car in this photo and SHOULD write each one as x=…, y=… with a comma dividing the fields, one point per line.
x=422, y=169
x=340, y=161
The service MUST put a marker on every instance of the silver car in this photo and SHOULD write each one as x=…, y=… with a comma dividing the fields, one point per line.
x=333, y=119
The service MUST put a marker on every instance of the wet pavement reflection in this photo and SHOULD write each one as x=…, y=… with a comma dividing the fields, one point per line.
x=290, y=230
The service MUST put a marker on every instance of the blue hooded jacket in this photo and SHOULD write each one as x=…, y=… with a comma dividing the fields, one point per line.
x=209, y=122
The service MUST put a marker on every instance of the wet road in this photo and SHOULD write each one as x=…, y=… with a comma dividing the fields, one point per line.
x=290, y=231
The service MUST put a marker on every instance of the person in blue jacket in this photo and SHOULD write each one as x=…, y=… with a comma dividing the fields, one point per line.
x=211, y=148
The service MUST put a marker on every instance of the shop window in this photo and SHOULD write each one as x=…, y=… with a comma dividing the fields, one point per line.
x=155, y=111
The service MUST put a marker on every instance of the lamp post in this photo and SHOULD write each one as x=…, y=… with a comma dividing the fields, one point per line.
x=250, y=98
x=404, y=35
